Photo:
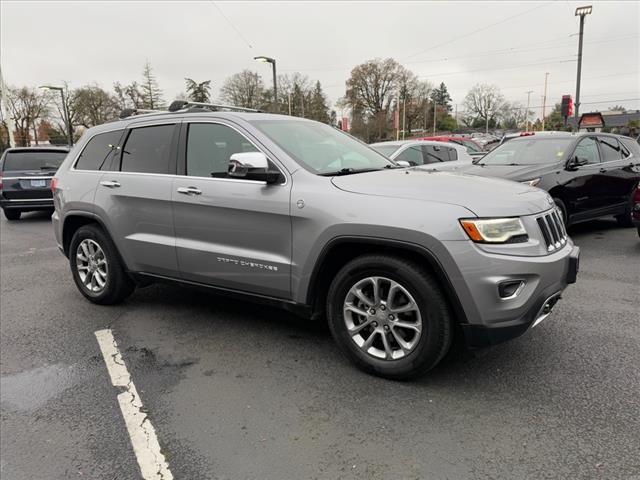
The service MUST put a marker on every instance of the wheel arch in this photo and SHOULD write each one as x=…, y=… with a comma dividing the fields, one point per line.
x=343, y=249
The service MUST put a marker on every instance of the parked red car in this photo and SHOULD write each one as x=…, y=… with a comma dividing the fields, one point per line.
x=473, y=148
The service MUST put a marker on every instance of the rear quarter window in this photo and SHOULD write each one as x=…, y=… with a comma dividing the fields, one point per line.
x=97, y=154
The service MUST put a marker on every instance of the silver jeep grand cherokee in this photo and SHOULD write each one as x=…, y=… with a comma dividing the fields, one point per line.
x=290, y=211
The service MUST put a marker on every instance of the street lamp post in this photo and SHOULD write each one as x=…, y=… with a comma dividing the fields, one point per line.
x=272, y=61
x=65, y=112
x=580, y=12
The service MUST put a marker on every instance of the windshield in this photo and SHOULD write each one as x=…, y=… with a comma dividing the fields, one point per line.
x=528, y=151
x=321, y=148
x=30, y=160
x=386, y=150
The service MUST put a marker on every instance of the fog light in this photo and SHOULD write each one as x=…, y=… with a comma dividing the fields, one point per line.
x=510, y=288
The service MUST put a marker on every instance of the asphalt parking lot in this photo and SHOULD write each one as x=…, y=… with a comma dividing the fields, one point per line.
x=238, y=391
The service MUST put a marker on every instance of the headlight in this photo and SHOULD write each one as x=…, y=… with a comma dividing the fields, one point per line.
x=495, y=230
x=532, y=183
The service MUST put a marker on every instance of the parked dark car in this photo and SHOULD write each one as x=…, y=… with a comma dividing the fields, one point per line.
x=589, y=175
x=636, y=210
x=25, y=179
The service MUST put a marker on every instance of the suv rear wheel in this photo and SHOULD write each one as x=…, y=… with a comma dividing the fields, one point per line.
x=389, y=316
x=12, y=214
x=96, y=267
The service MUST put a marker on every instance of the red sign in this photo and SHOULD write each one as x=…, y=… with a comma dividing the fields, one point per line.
x=567, y=106
x=345, y=124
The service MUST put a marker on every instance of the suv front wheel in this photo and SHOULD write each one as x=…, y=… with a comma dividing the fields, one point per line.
x=389, y=316
x=96, y=268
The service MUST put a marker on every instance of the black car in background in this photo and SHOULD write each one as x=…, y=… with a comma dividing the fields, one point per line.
x=589, y=175
x=25, y=179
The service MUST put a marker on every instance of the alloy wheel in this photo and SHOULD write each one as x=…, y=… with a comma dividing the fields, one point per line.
x=382, y=318
x=91, y=264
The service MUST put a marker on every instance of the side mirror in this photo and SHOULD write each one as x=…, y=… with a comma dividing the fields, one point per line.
x=252, y=166
x=403, y=163
x=576, y=162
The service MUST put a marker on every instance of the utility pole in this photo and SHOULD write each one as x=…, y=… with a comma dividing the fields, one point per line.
x=289, y=95
x=404, y=116
x=581, y=12
x=396, y=116
x=544, y=99
x=526, y=114
x=435, y=112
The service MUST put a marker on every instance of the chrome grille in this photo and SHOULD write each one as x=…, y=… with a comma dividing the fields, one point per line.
x=553, y=231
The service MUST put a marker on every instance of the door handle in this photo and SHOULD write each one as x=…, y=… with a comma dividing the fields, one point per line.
x=189, y=190
x=603, y=170
x=110, y=183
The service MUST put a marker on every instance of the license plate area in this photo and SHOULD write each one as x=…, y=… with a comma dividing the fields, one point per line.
x=38, y=183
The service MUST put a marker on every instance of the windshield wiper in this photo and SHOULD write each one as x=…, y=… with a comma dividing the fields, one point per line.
x=348, y=171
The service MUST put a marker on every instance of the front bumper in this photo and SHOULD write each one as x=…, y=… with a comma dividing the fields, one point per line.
x=500, y=319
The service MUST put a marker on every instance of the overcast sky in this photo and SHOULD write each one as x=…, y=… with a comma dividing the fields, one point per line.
x=510, y=44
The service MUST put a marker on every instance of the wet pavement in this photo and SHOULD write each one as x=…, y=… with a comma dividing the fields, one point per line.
x=240, y=391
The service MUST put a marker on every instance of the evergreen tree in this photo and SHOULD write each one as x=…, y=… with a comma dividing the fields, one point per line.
x=441, y=97
x=149, y=89
x=318, y=108
x=198, y=92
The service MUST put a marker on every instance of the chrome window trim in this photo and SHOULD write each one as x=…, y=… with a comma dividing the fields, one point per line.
x=217, y=121
x=173, y=175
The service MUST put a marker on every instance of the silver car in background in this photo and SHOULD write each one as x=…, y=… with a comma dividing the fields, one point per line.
x=292, y=212
x=437, y=155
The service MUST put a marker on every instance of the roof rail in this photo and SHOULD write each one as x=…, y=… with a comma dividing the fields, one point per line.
x=182, y=104
x=129, y=112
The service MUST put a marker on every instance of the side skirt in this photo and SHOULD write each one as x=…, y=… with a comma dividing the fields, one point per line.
x=302, y=310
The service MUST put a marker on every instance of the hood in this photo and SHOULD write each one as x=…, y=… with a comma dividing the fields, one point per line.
x=518, y=173
x=485, y=197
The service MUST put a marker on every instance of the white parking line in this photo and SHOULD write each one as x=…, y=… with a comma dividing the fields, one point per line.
x=141, y=432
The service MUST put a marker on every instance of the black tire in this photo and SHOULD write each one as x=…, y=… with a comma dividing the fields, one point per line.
x=563, y=210
x=118, y=284
x=12, y=214
x=436, y=336
x=626, y=219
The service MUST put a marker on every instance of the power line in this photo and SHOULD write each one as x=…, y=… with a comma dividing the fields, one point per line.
x=482, y=53
x=486, y=27
x=618, y=74
x=232, y=25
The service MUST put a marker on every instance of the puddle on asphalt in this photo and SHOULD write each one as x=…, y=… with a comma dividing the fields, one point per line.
x=31, y=389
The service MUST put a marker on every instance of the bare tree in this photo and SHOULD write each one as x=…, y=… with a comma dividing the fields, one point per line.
x=128, y=96
x=92, y=106
x=26, y=106
x=483, y=102
x=244, y=89
x=370, y=89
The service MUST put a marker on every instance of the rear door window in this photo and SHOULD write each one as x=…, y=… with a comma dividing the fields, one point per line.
x=19, y=161
x=96, y=155
x=610, y=149
x=210, y=146
x=147, y=150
